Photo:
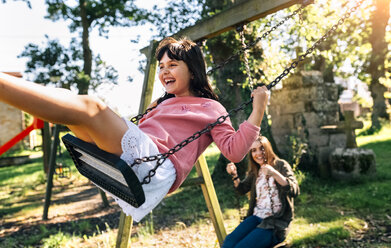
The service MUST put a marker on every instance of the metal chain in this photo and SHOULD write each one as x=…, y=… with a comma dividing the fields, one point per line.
x=139, y=116
x=245, y=58
x=269, y=191
x=252, y=44
x=160, y=158
x=242, y=50
x=267, y=178
x=302, y=57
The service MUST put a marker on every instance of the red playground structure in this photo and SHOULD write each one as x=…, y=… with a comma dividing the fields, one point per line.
x=37, y=124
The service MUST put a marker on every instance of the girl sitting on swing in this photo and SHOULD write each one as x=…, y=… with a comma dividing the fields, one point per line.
x=188, y=105
x=272, y=186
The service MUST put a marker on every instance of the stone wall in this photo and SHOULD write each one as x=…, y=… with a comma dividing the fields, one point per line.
x=303, y=105
x=11, y=123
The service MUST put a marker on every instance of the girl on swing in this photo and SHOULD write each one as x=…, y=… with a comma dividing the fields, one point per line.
x=272, y=186
x=188, y=105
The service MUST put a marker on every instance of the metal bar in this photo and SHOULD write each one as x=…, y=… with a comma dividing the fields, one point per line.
x=52, y=165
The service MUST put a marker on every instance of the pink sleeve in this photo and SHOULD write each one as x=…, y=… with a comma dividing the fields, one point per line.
x=234, y=145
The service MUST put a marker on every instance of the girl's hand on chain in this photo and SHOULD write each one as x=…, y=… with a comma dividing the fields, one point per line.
x=261, y=96
x=268, y=170
x=231, y=169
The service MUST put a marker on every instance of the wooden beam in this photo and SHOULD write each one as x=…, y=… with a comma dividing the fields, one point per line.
x=243, y=12
x=149, y=78
x=210, y=196
x=193, y=181
x=14, y=73
x=124, y=229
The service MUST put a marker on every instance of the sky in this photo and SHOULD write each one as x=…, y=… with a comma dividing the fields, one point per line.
x=20, y=25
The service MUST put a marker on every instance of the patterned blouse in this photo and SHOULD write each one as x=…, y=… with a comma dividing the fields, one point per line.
x=266, y=197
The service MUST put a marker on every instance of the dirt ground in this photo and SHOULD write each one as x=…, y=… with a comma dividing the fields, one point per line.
x=74, y=203
x=70, y=203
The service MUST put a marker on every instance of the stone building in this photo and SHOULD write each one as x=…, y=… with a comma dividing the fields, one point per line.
x=11, y=120
x=303, y=105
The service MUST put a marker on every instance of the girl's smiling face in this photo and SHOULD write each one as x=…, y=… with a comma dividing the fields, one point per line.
x=258, y=152
x=175, y=76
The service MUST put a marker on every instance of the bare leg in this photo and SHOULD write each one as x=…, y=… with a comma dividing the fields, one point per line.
x=80, y=133
x=87, y=116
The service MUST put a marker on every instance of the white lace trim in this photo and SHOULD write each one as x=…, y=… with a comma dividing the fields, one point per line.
x=130, y=147
x=136, y=144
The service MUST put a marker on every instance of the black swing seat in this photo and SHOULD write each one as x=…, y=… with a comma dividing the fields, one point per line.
x=106, y=170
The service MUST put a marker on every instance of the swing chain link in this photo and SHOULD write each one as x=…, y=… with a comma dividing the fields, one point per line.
x=138, y=117
x=245, y=56
x=243, y=50
x=163, y=156
x=252, y=44
x=310, y=50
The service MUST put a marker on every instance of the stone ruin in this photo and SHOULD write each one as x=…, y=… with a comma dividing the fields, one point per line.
x=304, y=108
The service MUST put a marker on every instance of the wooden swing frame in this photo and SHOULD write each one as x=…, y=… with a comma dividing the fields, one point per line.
x=239, y=14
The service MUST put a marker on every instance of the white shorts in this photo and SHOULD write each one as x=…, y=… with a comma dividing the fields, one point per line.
x=136, y=144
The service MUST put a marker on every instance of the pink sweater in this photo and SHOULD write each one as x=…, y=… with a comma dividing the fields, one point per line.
x=178, y=118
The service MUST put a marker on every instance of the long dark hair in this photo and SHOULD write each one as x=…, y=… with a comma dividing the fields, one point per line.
x=187, y=51
x=271, y=157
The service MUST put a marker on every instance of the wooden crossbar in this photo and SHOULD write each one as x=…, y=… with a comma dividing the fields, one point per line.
x=243, y=12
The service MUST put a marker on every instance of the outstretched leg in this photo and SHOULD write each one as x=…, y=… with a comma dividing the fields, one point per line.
x=89, y=117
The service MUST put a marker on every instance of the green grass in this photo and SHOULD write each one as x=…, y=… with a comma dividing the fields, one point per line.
x=328, y=212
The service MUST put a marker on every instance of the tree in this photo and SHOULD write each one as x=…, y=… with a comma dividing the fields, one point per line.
x=87, y=14
x=56, y=64
x=231, y=82
x=376, y=68
x=352, y=43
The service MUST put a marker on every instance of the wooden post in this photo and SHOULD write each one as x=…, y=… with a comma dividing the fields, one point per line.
x=124, y=231
x=104, y=198
x=125, y=222
x=52, y=167
x=149, y=79
x=211, y=199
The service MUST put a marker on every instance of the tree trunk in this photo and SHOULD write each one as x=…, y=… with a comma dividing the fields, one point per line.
x=230, y=78
x=229, y=88
x=87, y=54
x=376, y=69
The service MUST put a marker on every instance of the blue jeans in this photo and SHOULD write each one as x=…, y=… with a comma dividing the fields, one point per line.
x=248, y=235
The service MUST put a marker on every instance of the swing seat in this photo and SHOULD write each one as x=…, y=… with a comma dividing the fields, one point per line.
x=106, y=170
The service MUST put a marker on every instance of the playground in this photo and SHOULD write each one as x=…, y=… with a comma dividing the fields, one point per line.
x=336, y=138
x=329, y=214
